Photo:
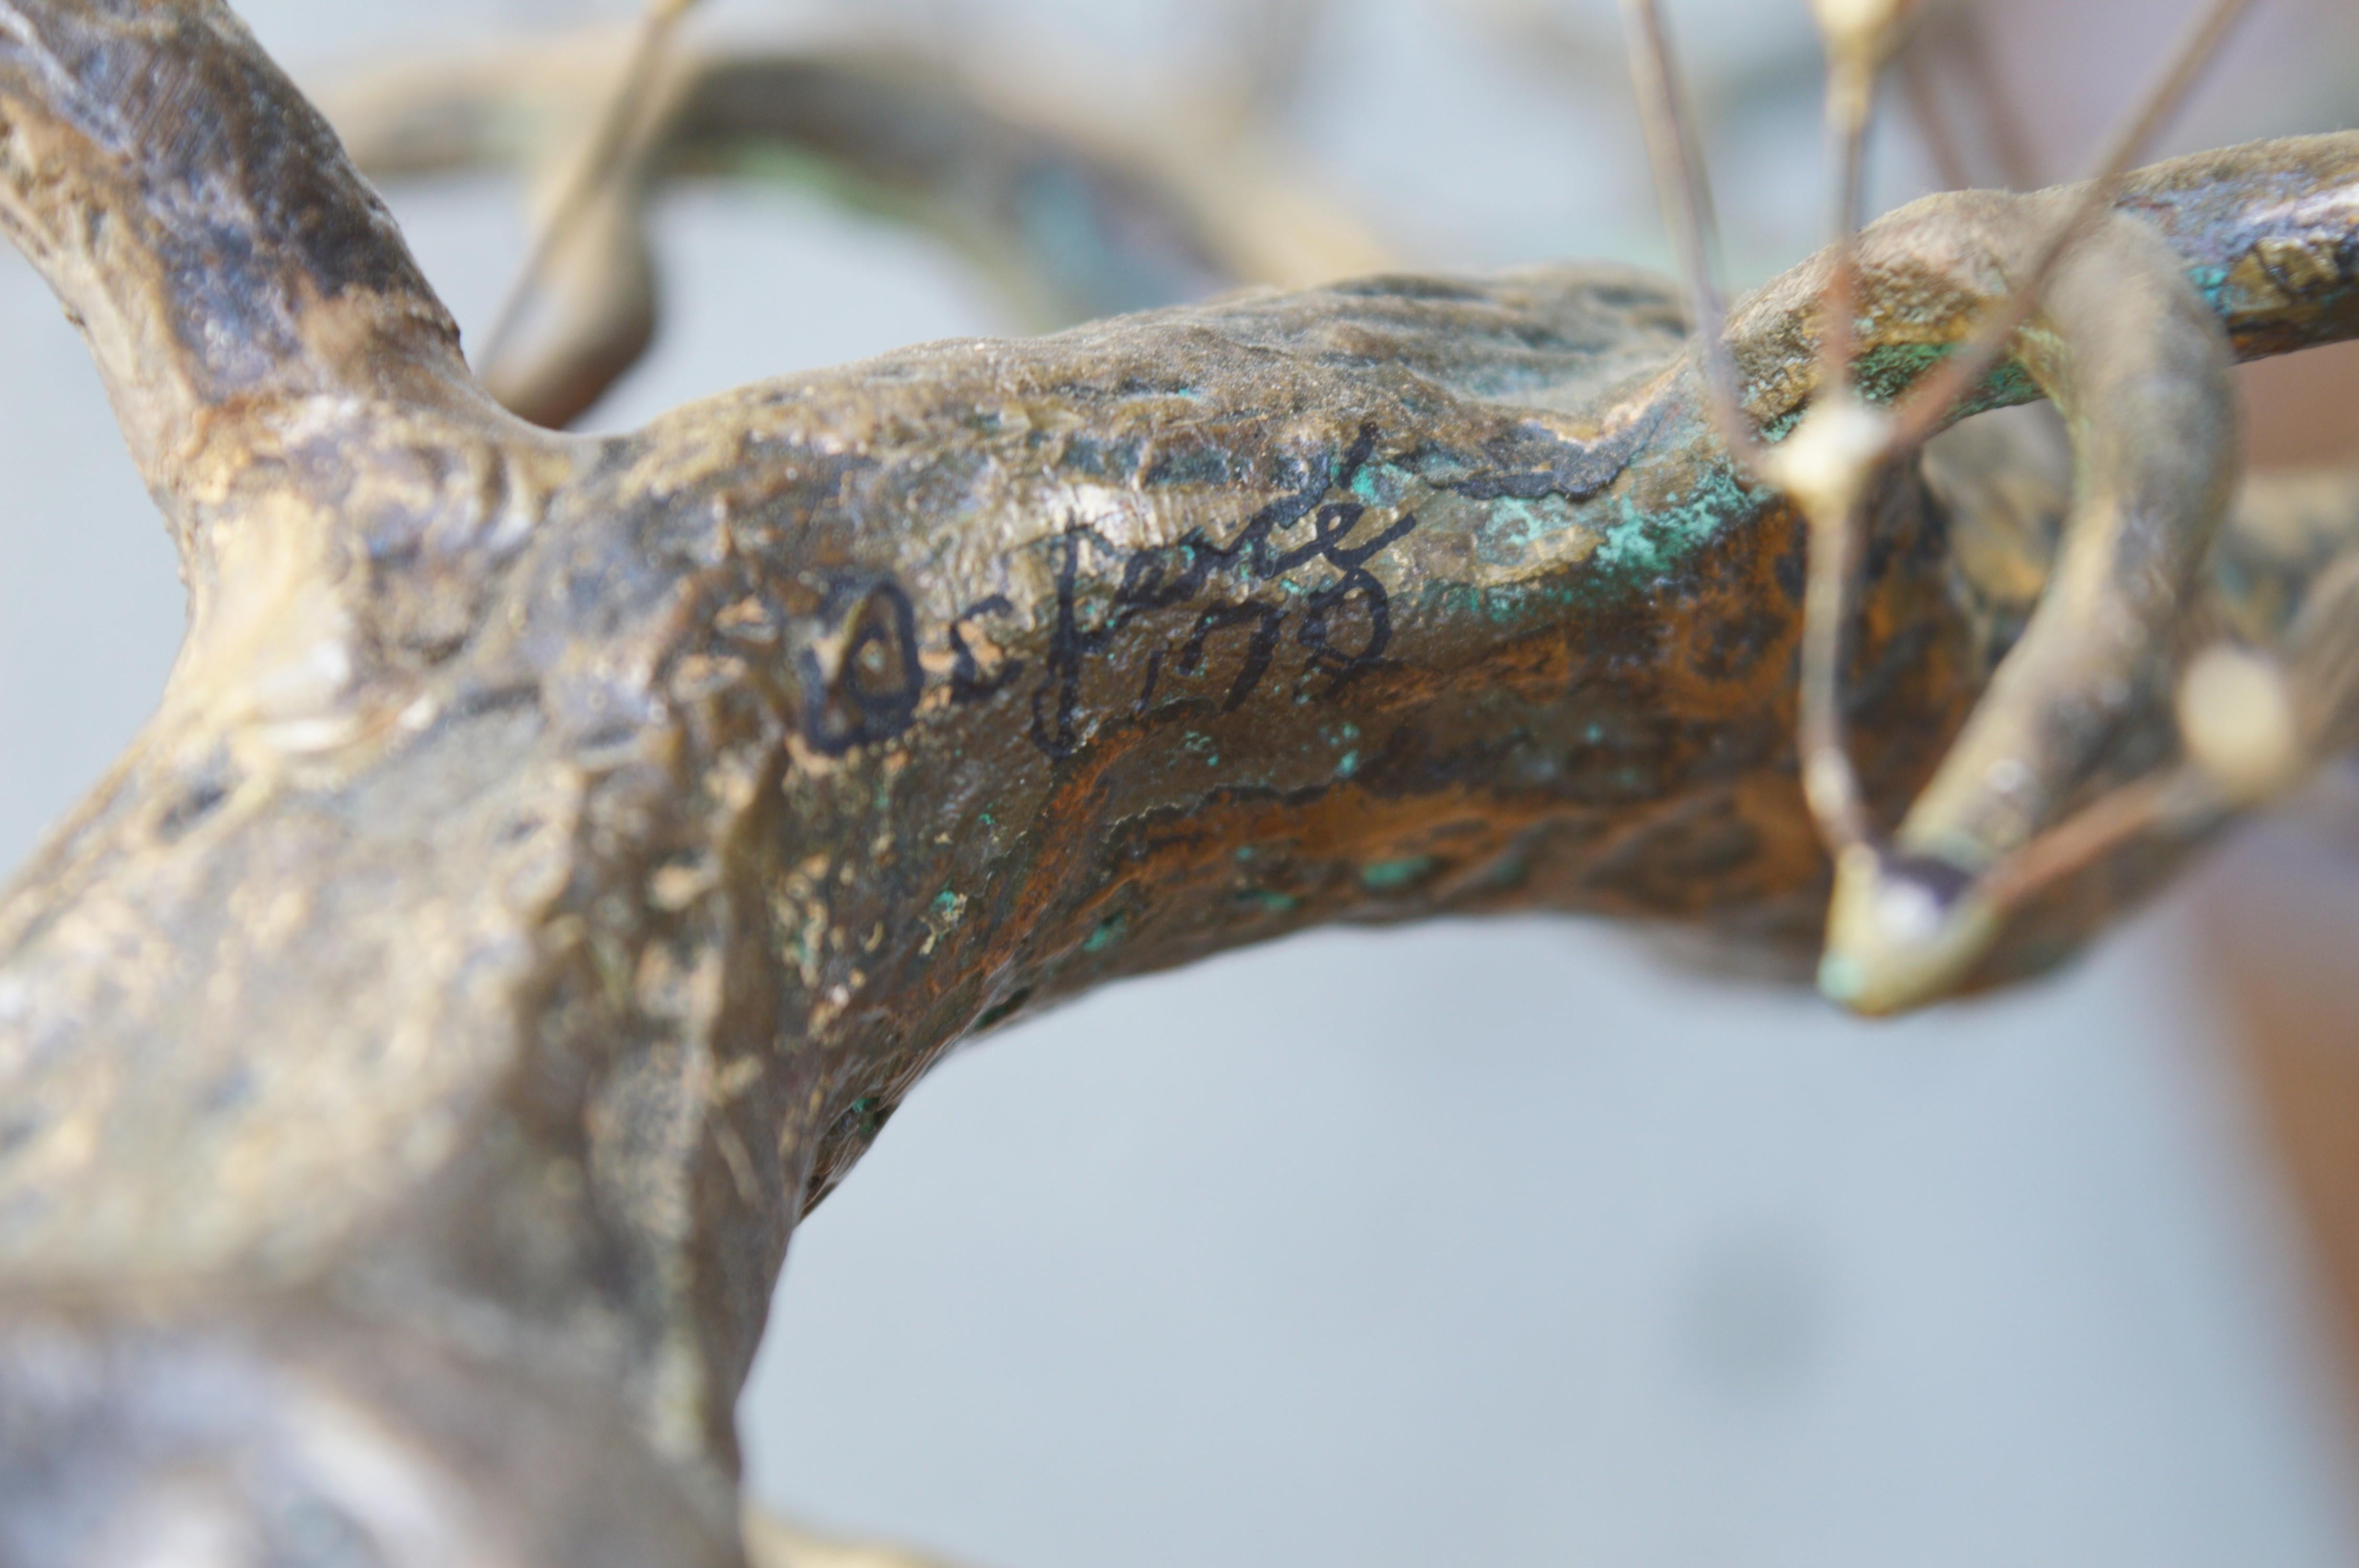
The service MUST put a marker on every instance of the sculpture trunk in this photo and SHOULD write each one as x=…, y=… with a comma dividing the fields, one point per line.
x=553, y=858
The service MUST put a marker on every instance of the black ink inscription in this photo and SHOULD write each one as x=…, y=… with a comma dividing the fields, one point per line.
x=1344, y=627
x=1163, y=577
x=1531, y=463
x=873, y=695
x=1264, y=619
x=969, y=681
x=1318, y=617
x=1052, y=721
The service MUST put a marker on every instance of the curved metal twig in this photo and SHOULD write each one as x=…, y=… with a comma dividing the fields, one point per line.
x=553, y=858
x=1072, y=220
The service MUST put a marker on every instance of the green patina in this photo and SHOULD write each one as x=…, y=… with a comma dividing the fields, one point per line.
x=1347, y=764
x=1269, y=901
x=1521, y=525
x=1390, y=876
x=1509, y=872
x=1643, y=545
x=1888, y=370
x=2212, y=282
x=1108, y=933
x=1438, y=597
x=1646, y=542
x=1380, y=484
x=2236, y=304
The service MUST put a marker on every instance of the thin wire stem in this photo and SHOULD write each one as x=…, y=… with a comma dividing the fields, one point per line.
x=1830, y=783
x=1922, y=411
x=1838, y=300
x=1932, y=117
x=1686, y=193
x=2321, y=667
x=2182, y=796
x=612, y=140
x=1969, y=44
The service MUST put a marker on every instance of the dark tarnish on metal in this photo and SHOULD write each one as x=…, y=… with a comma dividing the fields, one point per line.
x=553, y=858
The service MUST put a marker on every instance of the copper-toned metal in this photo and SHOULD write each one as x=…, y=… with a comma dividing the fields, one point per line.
x=553, y=858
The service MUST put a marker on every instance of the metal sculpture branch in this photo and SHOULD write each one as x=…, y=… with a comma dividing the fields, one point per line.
x=1072, y=220
x=553, y=858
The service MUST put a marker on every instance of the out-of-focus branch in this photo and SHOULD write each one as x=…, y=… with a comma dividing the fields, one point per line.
x=771, y=1543
x=1948, y=55
x=553, y=858
x=221, y=279
x=1074, y=219
x=1910, y=918
x=600, y=170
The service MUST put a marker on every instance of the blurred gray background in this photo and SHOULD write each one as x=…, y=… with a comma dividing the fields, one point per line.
x=1483, y=1243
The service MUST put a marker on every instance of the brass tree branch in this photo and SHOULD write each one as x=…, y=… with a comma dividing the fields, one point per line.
x=554, y=858
x=218, y=262
x=1072, y=220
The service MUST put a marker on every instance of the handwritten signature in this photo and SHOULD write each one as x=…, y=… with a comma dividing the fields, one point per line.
x=1344, y=626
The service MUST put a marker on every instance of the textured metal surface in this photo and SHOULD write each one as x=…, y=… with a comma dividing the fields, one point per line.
x=553, y=858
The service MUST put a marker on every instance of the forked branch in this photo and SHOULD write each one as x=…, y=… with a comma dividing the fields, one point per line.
x=555, y=858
